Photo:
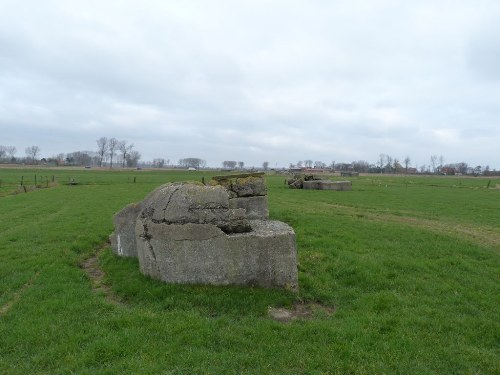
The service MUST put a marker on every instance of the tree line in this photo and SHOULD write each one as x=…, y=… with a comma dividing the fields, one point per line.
x=108, y=149
x=112, y=152
x=109, y=152
x=389, y=164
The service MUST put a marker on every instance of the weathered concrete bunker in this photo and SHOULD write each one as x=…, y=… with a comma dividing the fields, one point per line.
x=219, y=234
x=327, y=185
x=311, y=182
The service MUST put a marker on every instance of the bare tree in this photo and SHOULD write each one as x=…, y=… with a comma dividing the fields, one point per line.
x=125, y=150
x=11, y=150
x=79, y=158
x=380, y=164
x=229, y=164
x=59, y=158
x=319, y=164
x=192, y=163
x=32, y=153
x=158, y=163
x=265, y=165
x=407, y=163
x=133, y=158
x=241, y=164
x=361, y=166
x=441, y=163
x=434, y=159
x=299, y=164
x=102, y=149
x=3, y=151
x=396, y=166
x=112, y=146
x=388, y=165
x=462, y=167
x=308, y=163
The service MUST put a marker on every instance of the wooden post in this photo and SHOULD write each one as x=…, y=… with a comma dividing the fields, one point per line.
x=22, y=179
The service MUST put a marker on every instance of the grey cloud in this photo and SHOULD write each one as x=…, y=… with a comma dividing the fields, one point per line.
x=277, y=80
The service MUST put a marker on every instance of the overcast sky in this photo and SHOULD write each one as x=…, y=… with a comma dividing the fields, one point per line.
x=254, y=81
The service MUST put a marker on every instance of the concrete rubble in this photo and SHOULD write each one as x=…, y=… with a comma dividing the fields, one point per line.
x=312, y=182
x=218, y=234
x=327, y=185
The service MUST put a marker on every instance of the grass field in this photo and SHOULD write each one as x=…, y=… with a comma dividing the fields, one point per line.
x=410, y=267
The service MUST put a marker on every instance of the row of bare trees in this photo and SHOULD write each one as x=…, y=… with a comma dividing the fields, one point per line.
x=231, y=164
x=195, y=163
x=107, y=149
x=113, y=151
x=7, y=152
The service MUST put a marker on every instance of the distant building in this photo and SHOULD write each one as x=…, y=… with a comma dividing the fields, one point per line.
x=448, y=171
x=411, y=171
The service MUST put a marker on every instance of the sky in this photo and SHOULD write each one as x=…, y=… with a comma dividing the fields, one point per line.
x=253, y=80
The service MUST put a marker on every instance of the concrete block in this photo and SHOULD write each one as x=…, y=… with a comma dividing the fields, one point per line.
x=327, y=185
x=265, y=257
x=256, y=207
x=123, y=240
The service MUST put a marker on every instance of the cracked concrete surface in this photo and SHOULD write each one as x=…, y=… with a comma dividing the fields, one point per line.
x=189, y=233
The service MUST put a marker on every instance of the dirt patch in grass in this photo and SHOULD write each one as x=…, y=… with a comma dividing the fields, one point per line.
x=304, y=311
x=96, y=276
x=17, y=295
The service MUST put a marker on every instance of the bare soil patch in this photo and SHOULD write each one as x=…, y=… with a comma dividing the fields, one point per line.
x=96, y=276
x=305, y=311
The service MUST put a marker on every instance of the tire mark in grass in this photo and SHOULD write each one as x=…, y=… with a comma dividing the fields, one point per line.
x=96, y=276
x=17, y=295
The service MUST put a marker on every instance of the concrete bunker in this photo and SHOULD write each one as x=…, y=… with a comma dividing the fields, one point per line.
x=218, y=234
x=312, y=182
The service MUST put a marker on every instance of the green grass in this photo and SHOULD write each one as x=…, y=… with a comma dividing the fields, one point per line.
x=411, y=266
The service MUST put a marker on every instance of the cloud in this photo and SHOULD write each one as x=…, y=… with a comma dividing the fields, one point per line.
x=252, y=80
